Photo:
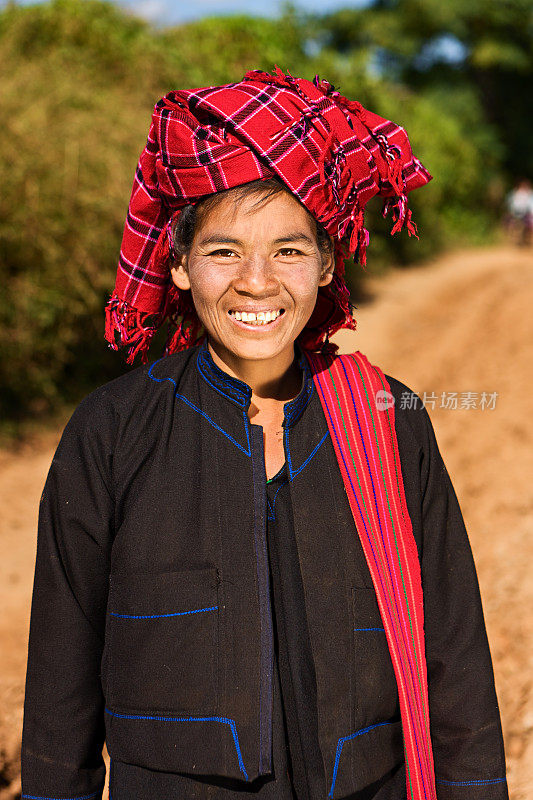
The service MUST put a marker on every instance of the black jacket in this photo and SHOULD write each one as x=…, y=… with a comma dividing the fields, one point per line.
x=151, y=622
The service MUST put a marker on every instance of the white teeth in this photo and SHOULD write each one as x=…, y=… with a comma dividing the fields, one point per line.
x=261, y=318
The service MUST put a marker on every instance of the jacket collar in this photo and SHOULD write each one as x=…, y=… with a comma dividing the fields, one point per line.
x=240, y=394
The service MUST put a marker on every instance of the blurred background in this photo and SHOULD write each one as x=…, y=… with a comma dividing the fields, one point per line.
x=448, y=313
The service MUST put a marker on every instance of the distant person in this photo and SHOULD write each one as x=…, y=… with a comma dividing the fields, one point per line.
x=519, y=220
x=253, y=578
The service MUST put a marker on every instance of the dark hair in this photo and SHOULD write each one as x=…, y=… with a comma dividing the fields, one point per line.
x=191, y=216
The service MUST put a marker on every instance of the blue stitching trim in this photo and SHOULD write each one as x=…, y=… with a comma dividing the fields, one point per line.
x=370, y=629
x=224, y=720
x=309, y=457
x=40, y=797
x=157, y=616
x=295, y=473
x=473, y=783
x=202, y=413
x=240, y=393
x=280, y=487
x=225, y=388
x=340, y=744
x=289, y=462
x=295, y=408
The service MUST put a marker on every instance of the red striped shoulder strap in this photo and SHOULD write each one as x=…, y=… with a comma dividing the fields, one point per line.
x=359, y=410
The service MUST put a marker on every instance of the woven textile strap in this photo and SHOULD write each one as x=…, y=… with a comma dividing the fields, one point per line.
x=359, y=410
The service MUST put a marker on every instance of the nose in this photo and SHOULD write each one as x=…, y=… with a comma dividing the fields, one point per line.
x=256, y=277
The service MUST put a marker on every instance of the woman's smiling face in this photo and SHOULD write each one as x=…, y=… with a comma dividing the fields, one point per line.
x=254, y=269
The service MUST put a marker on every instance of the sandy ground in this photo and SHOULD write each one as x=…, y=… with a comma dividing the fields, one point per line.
x=462, y=324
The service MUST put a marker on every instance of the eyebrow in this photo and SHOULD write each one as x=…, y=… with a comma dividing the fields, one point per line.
x=294, y=237
x=290, y=238
x=219, y=238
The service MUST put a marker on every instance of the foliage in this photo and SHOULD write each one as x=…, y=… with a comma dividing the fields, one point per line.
x=481, y=45
x=76, y=100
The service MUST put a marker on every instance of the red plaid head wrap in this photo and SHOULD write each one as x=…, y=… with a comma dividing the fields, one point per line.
x=330, y=152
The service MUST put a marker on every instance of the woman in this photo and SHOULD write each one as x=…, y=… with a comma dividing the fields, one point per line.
x=252, y=575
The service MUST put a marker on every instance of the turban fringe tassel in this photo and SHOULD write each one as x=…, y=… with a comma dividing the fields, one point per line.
x=131, y=325
x=188, y=328
x=132, y=328
x=401, y=214
x=135, y=332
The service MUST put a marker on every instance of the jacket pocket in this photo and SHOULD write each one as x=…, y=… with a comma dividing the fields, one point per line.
x=371, y=757
x=375, y=682
x=162, y=642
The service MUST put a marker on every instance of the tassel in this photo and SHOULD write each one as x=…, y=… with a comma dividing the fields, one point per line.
x=354, y=236
x=401, y=214
x=185, y=336
x=342, y=295
x=264, y=77
x=176, y=341
x=278, y=78
x=352, y=105
x=363, y=240
x=392, y=157
x=359, y=235
x=181, y=312
x=412, y=229
x=131, y=326
x=111, y=322
x=163, y=251
x=283, y=78
x=394, y=175
x=142, y=348
x=129, y=323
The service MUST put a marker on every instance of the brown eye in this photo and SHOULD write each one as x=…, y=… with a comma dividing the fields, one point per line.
x=290, y=251
x=223, y=252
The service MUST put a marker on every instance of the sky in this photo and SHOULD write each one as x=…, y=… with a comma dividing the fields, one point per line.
x=172, y=12
x=164, y=13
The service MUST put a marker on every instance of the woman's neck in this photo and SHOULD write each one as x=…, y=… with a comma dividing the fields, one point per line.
x=278, y=379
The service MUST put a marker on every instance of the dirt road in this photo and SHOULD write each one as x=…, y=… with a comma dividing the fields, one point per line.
x=464, y=324
x=460, y=325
